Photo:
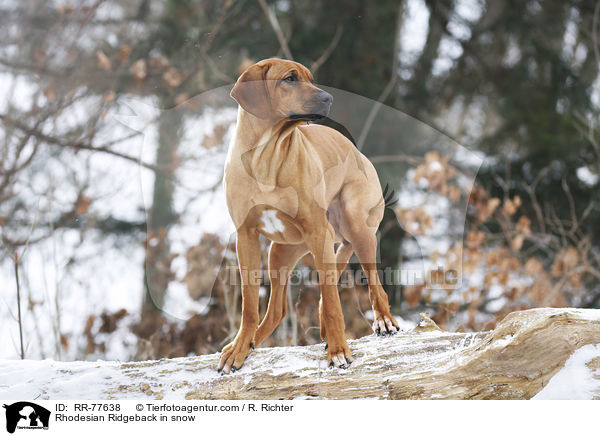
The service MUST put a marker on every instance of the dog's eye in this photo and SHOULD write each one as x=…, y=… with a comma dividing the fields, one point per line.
x=290, y=79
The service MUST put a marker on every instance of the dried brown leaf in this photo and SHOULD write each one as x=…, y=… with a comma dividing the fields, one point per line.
x=103, y=61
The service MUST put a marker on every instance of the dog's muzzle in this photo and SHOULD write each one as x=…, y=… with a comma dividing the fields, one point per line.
x=318, y=108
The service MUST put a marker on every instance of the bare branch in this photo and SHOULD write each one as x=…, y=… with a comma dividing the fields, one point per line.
x=595, y=32
x=78, y=145
x=332, y=45
x=16, y=264
x=276, y=28
x=396, y=158
x=567, y=190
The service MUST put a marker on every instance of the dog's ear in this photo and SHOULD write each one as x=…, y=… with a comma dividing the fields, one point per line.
x=250, y=91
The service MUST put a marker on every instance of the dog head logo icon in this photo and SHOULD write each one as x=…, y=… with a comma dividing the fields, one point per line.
x=26, y=415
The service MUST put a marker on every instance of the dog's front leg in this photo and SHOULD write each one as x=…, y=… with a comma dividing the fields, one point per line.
x=248, y=253
x=332, y=318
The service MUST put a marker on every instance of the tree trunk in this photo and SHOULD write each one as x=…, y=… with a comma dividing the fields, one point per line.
x=418, y=95
x=160, y=217
x=514, y=361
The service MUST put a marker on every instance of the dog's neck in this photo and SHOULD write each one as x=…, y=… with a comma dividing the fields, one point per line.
x=251, y=130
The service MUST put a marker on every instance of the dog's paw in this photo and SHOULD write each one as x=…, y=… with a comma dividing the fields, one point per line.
x=385, y=325
x=233, y=356
x=339, y=357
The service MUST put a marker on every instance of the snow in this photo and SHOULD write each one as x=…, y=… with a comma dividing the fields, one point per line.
x=503, y=342
x=31, y=379
x=414, y=32
x=585, y=314
x=404, y=324
x=180, y=305
x=576, y=381
x=586, y=176
x=49, y=379
x=496, y=305
x=435, y=166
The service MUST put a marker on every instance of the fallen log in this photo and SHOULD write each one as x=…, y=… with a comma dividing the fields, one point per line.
x=514, y=361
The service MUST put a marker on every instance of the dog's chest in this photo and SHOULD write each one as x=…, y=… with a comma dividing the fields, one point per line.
x=270, y=211
x=276, y=186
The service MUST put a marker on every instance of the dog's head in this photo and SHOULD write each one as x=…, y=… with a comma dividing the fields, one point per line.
x=274, y=89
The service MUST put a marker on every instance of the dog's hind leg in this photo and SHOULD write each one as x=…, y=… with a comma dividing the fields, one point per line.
x=342, y=256
x=362, y=211
x=282, y=260
x=365, y=245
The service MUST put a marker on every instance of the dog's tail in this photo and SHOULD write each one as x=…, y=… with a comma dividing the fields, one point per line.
x=389, y=196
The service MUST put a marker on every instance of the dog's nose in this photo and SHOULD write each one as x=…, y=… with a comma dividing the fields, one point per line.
x=325, y=97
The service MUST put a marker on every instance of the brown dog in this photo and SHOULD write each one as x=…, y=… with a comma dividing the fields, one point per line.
x=305, y=187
